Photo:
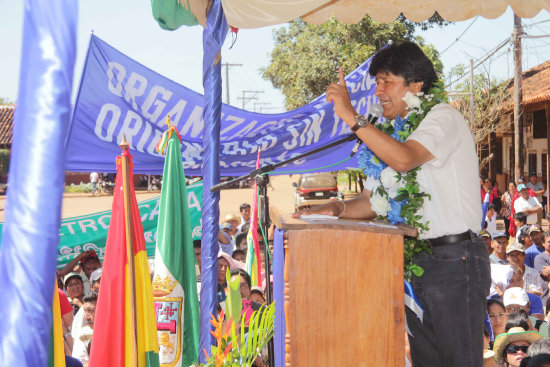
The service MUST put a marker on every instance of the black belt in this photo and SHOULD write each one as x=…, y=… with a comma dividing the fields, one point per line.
x=451, y=238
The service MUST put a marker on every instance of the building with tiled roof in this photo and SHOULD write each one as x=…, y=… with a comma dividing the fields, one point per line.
x=536, y=104
x=6, y=125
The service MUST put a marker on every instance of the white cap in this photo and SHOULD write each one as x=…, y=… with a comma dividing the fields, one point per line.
x=515, y=296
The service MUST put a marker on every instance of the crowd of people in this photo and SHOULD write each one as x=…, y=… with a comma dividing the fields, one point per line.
x=79, y=282
x=518, y=306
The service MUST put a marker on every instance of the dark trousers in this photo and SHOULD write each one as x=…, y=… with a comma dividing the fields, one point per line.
x=507, y=225
x=453, y=292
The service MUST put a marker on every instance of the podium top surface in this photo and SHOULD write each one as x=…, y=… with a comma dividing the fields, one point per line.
x=285, y=221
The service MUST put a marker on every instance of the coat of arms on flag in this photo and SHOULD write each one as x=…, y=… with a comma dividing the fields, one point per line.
x=168, y=311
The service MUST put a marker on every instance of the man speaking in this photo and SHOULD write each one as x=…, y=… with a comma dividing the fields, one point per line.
x=456, y=279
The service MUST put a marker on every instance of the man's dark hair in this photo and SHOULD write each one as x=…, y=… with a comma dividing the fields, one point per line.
x=522, y=234
x=518, y=319
x=491, y=206
x=521, y=217
x=545, y=235
x=244, y=274
x=239, y=238
x=244, y=206
x=407, y=60
x=196, y=243
x=91, y=298
x=237, y=252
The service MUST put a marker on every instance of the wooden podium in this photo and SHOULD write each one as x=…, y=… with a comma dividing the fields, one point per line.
x=344, y=292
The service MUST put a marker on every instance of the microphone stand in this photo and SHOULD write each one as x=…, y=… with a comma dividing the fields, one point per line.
x=262, y=180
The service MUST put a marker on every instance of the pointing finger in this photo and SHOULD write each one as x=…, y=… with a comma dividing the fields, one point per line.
x=341, y=74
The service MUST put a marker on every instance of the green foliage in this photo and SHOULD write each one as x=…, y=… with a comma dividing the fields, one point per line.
x=4, y=161
x=306, y=57
x=236, y=350
x=5, y=101
x=82, y=187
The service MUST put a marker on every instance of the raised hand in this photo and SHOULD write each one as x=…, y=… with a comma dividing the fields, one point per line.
x=337, y=93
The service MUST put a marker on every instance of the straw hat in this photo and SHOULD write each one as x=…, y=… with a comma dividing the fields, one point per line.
x=514, y=334
x=230, y=217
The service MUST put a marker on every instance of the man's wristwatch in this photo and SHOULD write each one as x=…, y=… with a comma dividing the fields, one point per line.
x=360, y=121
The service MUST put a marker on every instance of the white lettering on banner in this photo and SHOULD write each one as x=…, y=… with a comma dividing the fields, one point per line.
x=193, y=201
x=69, y=226
x=232, y=148
x=115, y=88
x=130, y=127
x=262, y=128
x=267, y=142
x=191, y=152
x=337, y=122
x=194, y=122
x=294, y=142
x=114, y=112
x=87, y=223
x=243, y=132
x=175, y=114
x=101, y=221
x=135, y=87
x=144, y=137
x=157, y=97
x=237, y=122
x=155, y=211
x=141, y=208
x=313, y=129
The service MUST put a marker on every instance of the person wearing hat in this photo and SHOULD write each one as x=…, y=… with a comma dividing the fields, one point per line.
x=535, y=233
x=538, y=189
x=487, y=238
x=532, y=283
x=88, y=262
x=542, y=265
x=225, y=238
x=257, y=295
x=234, y=221
x=511, y=347
x=500, y=241
x=527, y=204
x=74, y=288
x=95, y=279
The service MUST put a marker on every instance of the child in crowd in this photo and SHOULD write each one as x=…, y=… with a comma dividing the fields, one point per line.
x=491, y=219
x=520, y=220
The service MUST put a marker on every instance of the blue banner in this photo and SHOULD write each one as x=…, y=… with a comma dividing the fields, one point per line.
x=120, y=96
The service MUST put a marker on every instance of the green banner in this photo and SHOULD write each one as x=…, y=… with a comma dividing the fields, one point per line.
x=89, y=232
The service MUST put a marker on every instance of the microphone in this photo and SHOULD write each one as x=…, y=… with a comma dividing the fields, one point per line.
x=375, y=111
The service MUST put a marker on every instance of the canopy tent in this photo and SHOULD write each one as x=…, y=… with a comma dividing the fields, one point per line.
x=261, y=13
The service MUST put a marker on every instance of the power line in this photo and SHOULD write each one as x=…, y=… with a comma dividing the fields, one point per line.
x=458, y=38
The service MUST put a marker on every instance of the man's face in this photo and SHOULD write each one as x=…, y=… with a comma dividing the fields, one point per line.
x=255, y=297
x=499, y=246
x=245, y=213
x=240, y=257
x=536, y=237
x=524, y=194
x=222, y=268
x=527, y=241
x=89, y=313
x=91, y=264
x=516, y=281
x=490, y=213
x=533, y=179
x=546, y=244
x=510, y=309
x=516, y=258
x=198, y=255
x=75, y=288
x=95, y=285
x=390, y=90
x=512, y=187
x=517, y=223
x=488, y=243
x=245, y=289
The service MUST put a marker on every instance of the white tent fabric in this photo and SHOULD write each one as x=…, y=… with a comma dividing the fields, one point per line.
x=261, y=13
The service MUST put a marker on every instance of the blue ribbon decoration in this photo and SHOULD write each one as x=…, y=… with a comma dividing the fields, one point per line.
x=413, y=303
x=213, y=37
x=279, y=297
x=36, y=178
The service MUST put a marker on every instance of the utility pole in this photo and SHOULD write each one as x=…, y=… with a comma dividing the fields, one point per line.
x=472, y=117
x=260, y=104
x=227, y=66
x=518, y=100
x=246, y=99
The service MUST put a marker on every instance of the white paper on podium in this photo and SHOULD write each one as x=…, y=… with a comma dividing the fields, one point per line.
x=317, y=217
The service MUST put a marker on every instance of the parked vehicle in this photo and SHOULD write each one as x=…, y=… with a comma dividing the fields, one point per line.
x=315, y=189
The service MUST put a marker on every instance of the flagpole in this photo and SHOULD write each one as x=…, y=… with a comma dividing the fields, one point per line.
x=129, y=240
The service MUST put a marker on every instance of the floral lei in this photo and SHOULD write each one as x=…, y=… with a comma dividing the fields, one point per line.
x=396, y=197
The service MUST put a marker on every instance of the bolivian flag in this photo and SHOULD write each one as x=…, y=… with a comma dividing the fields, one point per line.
x=253, y=256
x=125, y=331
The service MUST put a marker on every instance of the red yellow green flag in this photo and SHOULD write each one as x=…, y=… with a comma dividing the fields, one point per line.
x=125, y=331
x=56, y=357
x=253, y=256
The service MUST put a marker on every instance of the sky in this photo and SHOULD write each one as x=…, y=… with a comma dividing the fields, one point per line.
x=128, y=25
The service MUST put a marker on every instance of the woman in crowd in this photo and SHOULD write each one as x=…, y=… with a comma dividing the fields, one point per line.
x=497, y=316
x=511, y=347
x=506, y=200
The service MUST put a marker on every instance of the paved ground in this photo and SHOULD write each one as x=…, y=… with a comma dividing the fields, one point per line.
x=281, y=195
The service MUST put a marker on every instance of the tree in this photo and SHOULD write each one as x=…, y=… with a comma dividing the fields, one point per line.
x=306, y=57
x=5, y=101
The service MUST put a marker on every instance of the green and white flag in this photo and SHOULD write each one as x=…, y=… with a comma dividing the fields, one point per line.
x=174, y=279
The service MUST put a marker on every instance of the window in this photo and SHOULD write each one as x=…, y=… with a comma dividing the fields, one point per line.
x=532, y=163
x=539, y=124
